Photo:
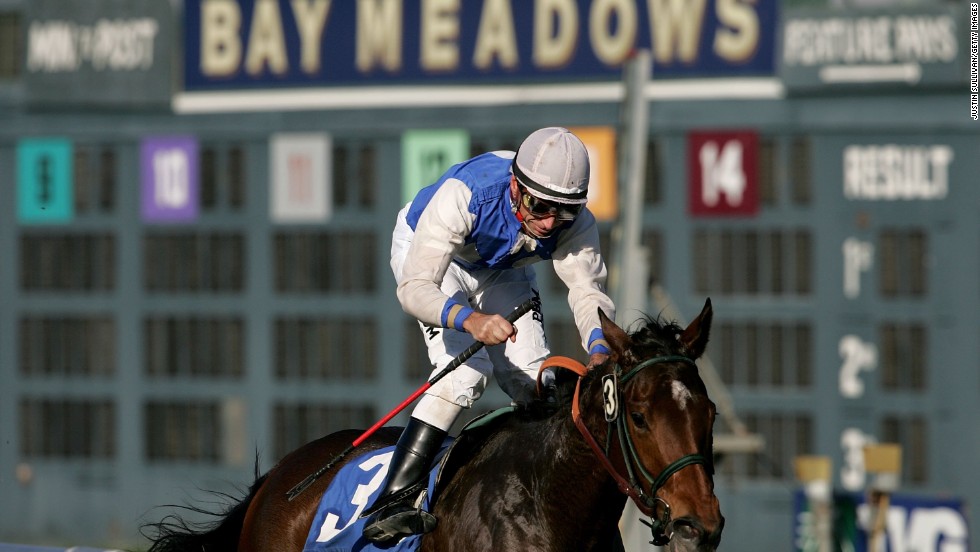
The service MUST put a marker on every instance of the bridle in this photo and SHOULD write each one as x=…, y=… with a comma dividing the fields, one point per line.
x=612, y=389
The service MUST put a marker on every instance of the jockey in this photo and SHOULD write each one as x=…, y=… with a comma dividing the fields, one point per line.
x=461, y=254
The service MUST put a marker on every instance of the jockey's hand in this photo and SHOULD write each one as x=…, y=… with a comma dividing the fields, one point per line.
x=595, y=359
x=490, y=329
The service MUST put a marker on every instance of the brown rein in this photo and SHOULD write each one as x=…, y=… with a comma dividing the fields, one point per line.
x=578, y=368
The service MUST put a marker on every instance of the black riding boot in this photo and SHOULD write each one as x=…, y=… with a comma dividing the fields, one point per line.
x=394, y=514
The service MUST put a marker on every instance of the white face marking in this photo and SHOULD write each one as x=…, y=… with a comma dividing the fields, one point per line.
x=681, y=393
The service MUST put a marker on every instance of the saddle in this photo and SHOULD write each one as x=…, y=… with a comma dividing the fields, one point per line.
x=337, y=524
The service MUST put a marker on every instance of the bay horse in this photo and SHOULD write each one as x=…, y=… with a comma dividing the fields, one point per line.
x=640, y=425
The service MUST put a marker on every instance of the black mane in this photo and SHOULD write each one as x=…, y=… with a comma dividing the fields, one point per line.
x=650, y=336
x=654, y=336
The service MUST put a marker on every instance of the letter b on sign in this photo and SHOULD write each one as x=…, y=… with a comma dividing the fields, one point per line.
x=722, y=173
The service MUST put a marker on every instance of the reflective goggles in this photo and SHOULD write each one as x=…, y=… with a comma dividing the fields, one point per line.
x=541, y=208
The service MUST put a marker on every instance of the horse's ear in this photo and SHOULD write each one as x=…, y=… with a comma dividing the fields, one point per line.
x=694, y=338
x=619, y=342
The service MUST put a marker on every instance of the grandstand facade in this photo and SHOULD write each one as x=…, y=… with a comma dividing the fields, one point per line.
x=196, y=201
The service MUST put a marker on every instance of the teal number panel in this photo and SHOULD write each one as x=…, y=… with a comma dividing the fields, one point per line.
x=44, y=181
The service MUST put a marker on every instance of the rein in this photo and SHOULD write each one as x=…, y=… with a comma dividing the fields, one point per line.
x=612, y=391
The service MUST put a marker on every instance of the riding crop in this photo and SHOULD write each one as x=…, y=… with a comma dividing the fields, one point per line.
x=518, y=312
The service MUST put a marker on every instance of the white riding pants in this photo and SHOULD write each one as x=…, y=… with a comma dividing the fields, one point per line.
x=514, y=365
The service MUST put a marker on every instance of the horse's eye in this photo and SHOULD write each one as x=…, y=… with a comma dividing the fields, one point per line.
x=638, y=419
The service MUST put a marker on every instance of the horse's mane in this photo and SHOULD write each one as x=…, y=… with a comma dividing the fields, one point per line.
x=651, y=336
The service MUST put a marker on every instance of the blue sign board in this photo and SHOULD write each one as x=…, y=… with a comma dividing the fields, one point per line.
x=44, y=181
x=913, y=522
x=237, y=44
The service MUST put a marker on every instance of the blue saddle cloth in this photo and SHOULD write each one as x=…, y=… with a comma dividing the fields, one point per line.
x=338, y=523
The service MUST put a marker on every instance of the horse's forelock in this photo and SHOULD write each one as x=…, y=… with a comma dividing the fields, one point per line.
x=654, y=336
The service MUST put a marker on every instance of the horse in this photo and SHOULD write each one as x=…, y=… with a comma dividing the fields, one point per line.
x=537, y=482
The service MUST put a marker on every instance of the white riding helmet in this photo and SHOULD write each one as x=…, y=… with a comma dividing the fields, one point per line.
x=553, y=164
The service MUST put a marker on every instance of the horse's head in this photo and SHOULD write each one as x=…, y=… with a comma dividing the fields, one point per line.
x=664, y=421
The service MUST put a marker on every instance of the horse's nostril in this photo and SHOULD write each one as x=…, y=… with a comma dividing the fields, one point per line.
x=687, y=530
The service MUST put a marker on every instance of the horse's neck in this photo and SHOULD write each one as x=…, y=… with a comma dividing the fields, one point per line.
x=575, y=471
x=542, y=472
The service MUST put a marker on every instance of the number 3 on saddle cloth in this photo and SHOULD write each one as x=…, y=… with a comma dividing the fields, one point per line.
x=337, y=524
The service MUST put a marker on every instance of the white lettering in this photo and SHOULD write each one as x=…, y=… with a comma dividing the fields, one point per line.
x=897, y=172
x=554, y=44
x=858, y=256
x=171, y=178
x=925, y=39
x=875, y=40
x=936, y=528
x=858, y=356
x=221, y=49
x=722, y=173
x=738, y=37
x=930, y=526
x=123, y=45
x=108, y=45
x=331, y=524
x=496, y=37
x=379, y=34
x=311, y=18
x=51, y=47
x=440, y=35
x=610, y=47
x=266, y=42
x=676, y=29
x=852, y=473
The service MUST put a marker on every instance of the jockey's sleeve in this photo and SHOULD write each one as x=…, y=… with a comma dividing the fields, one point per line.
x=579, y=264
x=441, y=230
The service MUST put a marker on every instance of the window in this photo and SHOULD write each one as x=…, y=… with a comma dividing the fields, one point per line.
x=752, y=262
x=298, y=424
x=185, y=261
x=11, y=46
x=222, y=177
x=355, y=178
x=653, y=179
x=764, y=355
x=95, y=178
x=767, y=170
x=799, y=171
x=912, y=432
x=183, y=431
x=786, y=435
x=193, y=347
x=342, y=349
x=67, y=262
x=67, y=346
x=904, y=356
x=903, y=254
x=341, y=261
x=67, y=428
x=653, y=241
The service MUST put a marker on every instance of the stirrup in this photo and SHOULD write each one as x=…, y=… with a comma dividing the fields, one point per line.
x=403, y=495
x=399, y=520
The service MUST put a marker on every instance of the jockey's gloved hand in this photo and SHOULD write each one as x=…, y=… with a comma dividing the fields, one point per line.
x=489, y=329
x=596, y=359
